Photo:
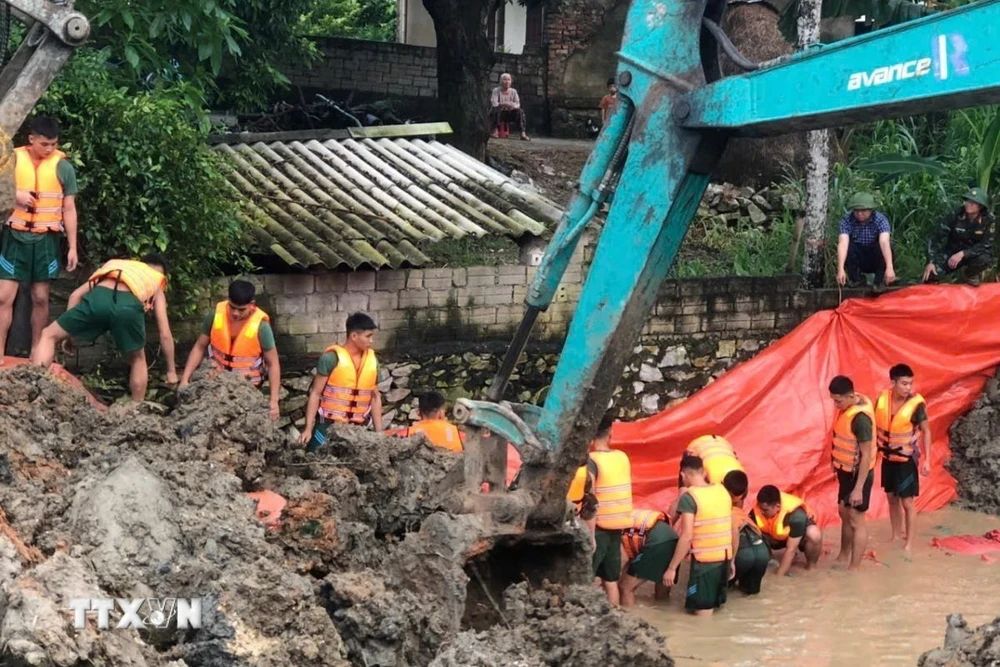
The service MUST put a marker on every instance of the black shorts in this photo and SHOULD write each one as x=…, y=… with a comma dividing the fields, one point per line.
x=847, y=480
x=901, y=479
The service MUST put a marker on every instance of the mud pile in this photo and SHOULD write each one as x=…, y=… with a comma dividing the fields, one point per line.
x=363, y=568
x=975, y=453
x=965, y=647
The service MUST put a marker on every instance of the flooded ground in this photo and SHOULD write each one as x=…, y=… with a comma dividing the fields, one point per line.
x=887, y=614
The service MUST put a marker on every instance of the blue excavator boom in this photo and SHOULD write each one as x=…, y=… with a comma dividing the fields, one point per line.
x=656, y=157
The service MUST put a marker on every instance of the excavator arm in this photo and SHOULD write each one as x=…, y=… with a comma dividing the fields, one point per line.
x=656, y=157
x=55, y=30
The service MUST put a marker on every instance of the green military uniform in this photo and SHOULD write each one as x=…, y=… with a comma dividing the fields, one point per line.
x=707, y=582
x=902, y=478
x=102, y=310
x=30, y=257
x=654, y=556
x=864, y=431
x=751, y=560
x=957, y=233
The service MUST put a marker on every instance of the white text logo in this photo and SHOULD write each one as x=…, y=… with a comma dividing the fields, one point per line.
x=139, y=613
x=898, y=72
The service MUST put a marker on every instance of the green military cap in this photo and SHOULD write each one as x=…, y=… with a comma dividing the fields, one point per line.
x=863, y=201
x=977, y=195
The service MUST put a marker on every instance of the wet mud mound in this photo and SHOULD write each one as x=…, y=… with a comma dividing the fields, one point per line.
x=559, y=625
x=359, y=568
x=975, y=453
x=966, y=647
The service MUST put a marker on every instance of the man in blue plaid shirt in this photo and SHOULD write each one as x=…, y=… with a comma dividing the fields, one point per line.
x=863, y=245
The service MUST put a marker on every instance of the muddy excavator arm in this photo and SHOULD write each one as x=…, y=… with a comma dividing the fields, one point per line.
x=54, y=30
x=656, y=156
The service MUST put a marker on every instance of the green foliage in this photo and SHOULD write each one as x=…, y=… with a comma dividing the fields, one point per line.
x=715, y=248
x=880, y=12
x=893, y=165
x=989, y=153
x=916, y=200
x=149, y=181
x=226, y=48
x=361, y=19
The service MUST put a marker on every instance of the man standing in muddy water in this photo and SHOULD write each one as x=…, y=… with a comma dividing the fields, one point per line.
x=901, y=423
x=853, y=456
x=706, y=534
x=611, y=475
x=345, y=388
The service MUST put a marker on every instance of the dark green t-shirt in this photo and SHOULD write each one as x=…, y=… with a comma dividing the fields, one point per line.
x=265, y=334
x=66, y=174
x=919, y=415
x=863, y=428
x=687, y=504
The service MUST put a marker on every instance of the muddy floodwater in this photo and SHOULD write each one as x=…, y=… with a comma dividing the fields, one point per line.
x=887, y=614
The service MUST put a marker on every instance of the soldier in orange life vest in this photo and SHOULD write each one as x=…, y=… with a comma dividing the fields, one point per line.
x=647, y=548
x=31, y=239
x=901, y=422
x=611, y=477
x=718, y=457
x=787, y=523
x=115, y=300
x=238, y=338
x=345, y=389
x=433, y=424
x=853, y=454
x=752, y=553
x=707, y=535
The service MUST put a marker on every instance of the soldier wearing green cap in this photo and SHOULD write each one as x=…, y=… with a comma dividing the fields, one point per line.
x=963, y=241
x=863, y=245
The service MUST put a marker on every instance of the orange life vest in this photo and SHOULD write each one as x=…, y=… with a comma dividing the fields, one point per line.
x=634, y=538
x=717, y=455
x=243, y=354
x=741, y=519
x=775, y=526
x=712, y=541
x=897, y=436
x=577, y=488
x=845, y=448
x=613, y=488
x=43, y=183
x=347, y=396
x=440, y=432
x=141, y=279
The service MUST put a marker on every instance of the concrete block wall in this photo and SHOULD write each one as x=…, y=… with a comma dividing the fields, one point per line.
x=408, y=74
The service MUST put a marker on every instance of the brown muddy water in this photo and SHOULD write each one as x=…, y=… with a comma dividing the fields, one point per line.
x=886, y=614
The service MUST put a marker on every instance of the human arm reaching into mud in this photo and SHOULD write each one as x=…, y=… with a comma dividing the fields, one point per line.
x=683, y=547
x=789, y=556
x=194, y=359
x=166, y=338
x=274, y=380
x=312, y=407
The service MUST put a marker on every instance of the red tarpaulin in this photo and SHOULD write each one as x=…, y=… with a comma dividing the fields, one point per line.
x=970, y=544
x=776, y=410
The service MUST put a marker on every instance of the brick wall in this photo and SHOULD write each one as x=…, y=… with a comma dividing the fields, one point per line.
x=408, y=75
x=466, y=306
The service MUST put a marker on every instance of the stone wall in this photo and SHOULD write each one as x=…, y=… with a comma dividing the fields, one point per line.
x=408, y=75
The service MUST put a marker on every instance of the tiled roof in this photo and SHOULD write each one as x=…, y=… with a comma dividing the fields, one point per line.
x=374, y=202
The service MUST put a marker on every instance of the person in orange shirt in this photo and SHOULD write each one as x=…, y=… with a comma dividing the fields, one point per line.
x=433, y=424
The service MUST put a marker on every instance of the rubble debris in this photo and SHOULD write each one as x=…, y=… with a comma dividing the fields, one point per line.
x=975, y=454
x=964, y=647
x=361, y=569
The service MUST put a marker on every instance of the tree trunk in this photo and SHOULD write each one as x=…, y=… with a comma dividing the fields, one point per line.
x=817, y=164
x=464, y=59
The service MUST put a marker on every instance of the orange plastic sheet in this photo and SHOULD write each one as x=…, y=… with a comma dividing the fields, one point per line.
x=776, y=410
x=970, y=544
